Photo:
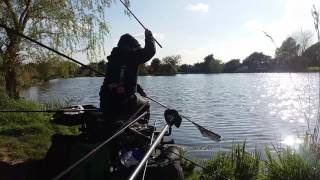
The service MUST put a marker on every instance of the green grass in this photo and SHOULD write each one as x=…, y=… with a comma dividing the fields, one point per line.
x=25, y=136
x=283, y=164
x=237, y=164
x=287, y=164
x=313, y=69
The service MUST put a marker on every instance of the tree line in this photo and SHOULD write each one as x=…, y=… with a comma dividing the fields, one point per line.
x=81, y=26
x=291, y=56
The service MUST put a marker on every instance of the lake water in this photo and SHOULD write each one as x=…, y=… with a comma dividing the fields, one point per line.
x=263, y=109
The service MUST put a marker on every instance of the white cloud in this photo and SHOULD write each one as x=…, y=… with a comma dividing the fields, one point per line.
x=199, y=7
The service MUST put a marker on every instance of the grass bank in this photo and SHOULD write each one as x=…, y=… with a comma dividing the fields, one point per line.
x=239, y=164
x=25, y=136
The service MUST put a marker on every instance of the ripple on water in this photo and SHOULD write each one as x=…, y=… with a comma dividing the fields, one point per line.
x=259, y=108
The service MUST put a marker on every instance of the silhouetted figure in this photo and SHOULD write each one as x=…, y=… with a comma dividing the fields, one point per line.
x=118, y=92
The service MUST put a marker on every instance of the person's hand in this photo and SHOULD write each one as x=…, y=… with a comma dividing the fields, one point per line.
x=148, y=33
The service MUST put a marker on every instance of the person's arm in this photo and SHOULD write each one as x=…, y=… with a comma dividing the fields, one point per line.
x=145, y=54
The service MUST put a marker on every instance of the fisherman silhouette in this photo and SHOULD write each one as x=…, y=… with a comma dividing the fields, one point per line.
x=118, y=94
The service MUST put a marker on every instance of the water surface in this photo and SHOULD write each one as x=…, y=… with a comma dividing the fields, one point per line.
x=259, y=108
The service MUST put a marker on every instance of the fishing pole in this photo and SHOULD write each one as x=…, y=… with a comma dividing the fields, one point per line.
x=151, y=141
x=51, y=49
x=139, y=21
x=179, y=155
x=95, y=150
x=147, y=155
x=204, y=131
x=49, y=111
x=172, y=117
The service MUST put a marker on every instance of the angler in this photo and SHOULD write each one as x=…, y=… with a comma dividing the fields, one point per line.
x=123, y=122
x=118, y=92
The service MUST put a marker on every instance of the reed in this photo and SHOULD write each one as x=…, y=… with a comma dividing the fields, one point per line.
x=237, y=164
x=287, y=164
x=280, y=164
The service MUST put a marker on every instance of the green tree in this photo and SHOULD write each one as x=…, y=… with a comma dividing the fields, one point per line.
x=258, y=62
x=313, y=55
x=212, y=65
x=303, y=38
x=66, y=25
x=54, y=67
x=45, y=69
x=170, y=64
x=155, y=66
x=143, y=70
x=288, y=50
x=102, y=66
x=231, y=66
x=172, y=60
x=186, y=68
x=66, y=69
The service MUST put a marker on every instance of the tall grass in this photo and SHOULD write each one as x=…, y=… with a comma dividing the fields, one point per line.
x=283, y=164
x=26, y=135
x=287, y=164
x=238, y=164
x=313, y=138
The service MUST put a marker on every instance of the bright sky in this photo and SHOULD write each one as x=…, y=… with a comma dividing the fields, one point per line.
x=226, y=28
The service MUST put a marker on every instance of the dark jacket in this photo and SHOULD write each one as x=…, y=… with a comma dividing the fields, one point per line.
x=129, y=60
x=122, y=72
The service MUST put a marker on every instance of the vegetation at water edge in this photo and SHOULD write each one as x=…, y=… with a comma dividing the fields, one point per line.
x=25, y=136
x=239, y=164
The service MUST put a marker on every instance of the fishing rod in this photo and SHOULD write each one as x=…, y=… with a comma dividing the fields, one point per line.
x=138, y=21
x=49, y=48
x=49, y=111
x=205, y=132
x=172, y=117
x=151, y=141
x=171, y=151
x=95, y=150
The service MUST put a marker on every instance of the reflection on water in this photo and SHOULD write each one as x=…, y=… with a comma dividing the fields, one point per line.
x=259, y=108
x=292, y=141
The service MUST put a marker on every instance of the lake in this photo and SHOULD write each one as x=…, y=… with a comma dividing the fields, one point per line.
x=263, y=109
